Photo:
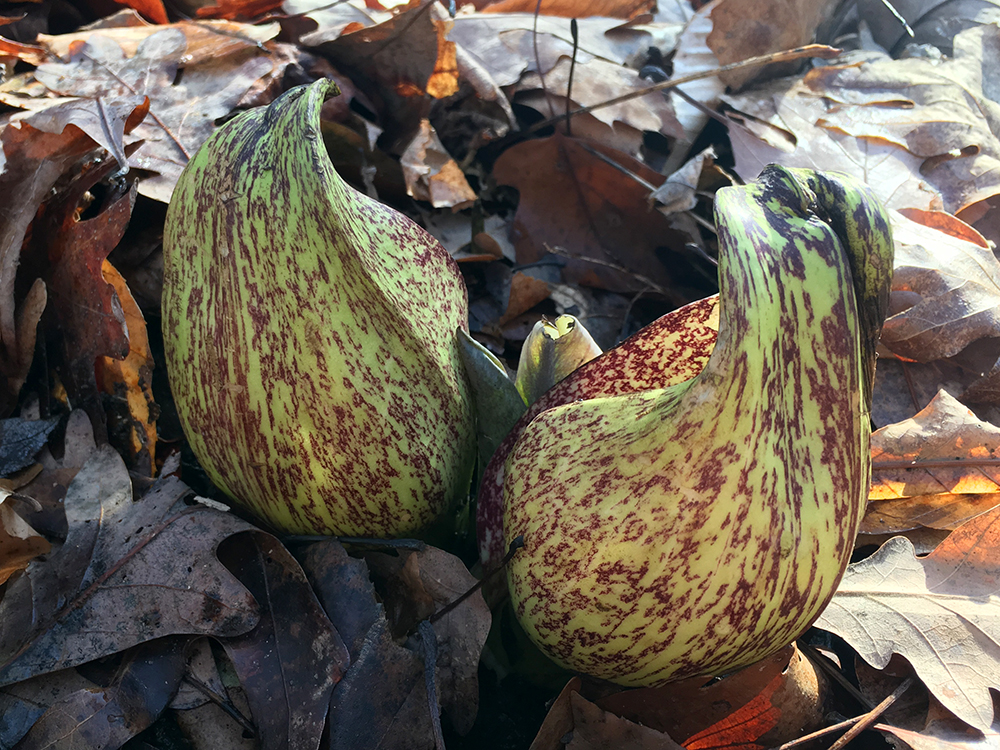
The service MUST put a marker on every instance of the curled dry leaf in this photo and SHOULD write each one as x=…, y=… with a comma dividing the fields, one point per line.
x=86, y=309
x=431, y=174
x=128, y=383
x=941, y=612
x=19, y=543
x=153, y=559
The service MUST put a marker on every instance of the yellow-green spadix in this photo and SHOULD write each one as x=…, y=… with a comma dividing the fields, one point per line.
x=698, y=528
x=310, y=334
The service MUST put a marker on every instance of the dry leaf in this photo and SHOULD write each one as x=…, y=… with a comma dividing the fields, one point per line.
x=740, y=31
x=128, y=383
x=917, y=131
x=205, y=39
x=577, y=204
x=955, y=285
x=19, y=543
x=573, y=8
x=431, y=174
x=31, y=161
x=154, y=560
x=941, y=612
x=956, y=445
x=290, y=662
x=182, y=114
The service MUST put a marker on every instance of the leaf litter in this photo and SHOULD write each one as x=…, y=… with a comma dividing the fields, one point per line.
x=131, y=605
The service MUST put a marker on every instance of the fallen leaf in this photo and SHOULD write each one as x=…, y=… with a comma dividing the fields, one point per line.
x=431, y=174
x=48, y=488
x=940, y=511
x=418, y=584
x=764, y=705
x=909, y=127
x=959, y=451
x=577, y=204
x=31, y=161
x=238, y=8
x=290, y=662
x=21, y=440
x=19, y=543
x=111, y=715
x=940, y=612
x=504, y=44
x=596, y=729
x=182, y=114
x=152, y=9
x=409, y=54
x=956, y=293
x=559, y=720
x=87, y=313
x=573, y=8
x=128, y=384
x=382, y=700
x=594, y=82
x=153, y=559
x=24, y=703
x=206, y=40
x=739, y=32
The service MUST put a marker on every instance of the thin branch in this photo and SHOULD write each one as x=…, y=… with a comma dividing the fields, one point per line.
x=812, y=50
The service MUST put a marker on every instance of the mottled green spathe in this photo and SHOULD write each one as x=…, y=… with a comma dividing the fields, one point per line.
x=310, y=335
x=699, y=528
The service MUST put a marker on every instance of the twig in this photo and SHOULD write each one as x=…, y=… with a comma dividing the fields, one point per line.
x=821, y=661
x=820, y=733
x=811, y=50
x=514, y=547
x=872, y=716
x=222, y=703
x=575, y=31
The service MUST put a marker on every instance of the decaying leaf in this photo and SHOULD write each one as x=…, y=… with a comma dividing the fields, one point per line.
x=431, y=174
x=290, y=662
x=941, y=612
x=110, y=715
x=154, y=559
x=21, y=440
x=128, y=384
